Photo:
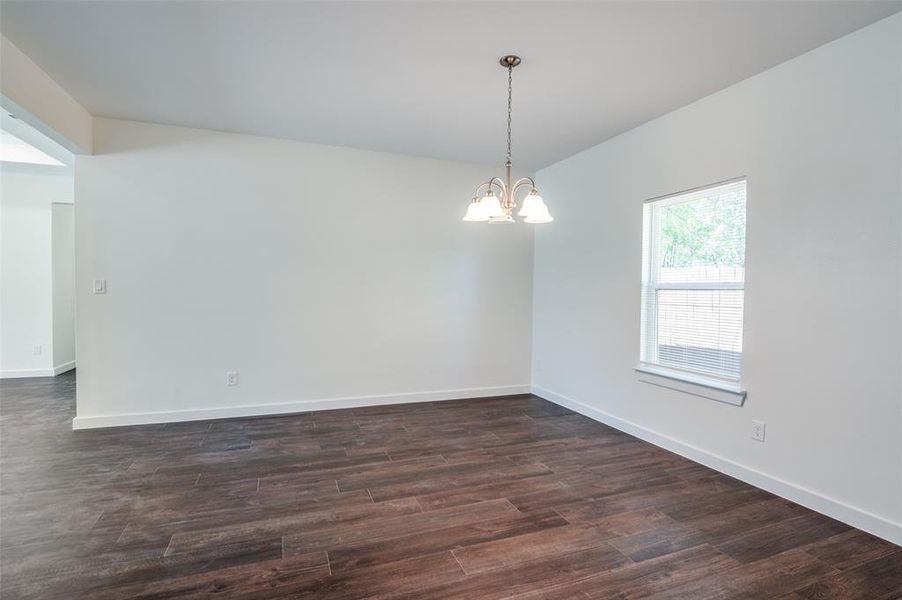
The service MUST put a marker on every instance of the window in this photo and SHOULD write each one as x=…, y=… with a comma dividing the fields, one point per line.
x=693, y=280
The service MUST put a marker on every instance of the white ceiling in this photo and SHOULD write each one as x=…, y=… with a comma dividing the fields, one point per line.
x=418, y=78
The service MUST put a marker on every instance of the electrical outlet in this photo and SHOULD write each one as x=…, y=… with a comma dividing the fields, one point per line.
x=231, y=377
x=36, y=350
x=758, y=428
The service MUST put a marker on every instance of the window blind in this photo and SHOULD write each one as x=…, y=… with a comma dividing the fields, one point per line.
x=693, y=281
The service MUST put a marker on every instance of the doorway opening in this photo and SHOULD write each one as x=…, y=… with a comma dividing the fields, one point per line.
x=37, y=253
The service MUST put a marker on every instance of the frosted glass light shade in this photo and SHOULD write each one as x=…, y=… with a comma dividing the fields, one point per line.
x=539, y=215
x=475, y=212
x=501, y=220
x=491, y=206
x=532, y=203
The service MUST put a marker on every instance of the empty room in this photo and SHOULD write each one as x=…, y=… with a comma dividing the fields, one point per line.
x=433, y=300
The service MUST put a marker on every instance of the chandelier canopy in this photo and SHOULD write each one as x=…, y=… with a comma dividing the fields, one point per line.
x=495, y=200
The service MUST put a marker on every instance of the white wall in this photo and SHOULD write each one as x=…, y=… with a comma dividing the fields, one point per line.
x=63, y=250
x=820, y=140
x=326, y=276
x=26, y=269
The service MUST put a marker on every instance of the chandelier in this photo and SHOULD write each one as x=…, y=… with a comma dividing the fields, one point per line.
x=495, y=200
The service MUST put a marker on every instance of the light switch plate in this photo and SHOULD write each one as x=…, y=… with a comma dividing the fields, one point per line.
x=100, y=286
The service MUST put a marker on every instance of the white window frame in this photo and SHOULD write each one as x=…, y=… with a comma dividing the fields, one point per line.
x=728, y=390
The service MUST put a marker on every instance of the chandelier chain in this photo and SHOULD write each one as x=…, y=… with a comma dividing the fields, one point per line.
x=510, y=78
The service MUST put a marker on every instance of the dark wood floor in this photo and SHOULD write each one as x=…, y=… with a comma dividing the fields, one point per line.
x=495, y=498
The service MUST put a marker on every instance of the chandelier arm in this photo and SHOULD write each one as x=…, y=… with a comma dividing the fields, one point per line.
x=500, y=183
x=521, y=183
x=524, y=181
x=479, y=188
x=504, y=193
x=495, y=181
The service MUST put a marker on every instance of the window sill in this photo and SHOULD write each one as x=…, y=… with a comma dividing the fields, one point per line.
x=697, y=385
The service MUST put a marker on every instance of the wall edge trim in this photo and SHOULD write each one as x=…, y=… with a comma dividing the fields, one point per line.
x=62, y=368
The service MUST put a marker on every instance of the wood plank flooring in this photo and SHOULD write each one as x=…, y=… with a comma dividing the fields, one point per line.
x=479, y=499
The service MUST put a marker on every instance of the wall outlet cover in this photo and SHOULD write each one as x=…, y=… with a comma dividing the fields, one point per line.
x=758, y=430
x=231, y=377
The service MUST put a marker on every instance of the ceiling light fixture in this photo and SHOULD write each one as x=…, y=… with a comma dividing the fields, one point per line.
x=499, y=196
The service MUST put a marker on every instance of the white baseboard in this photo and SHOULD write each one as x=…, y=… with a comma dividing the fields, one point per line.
x=67, y=366
x=282, y=408
x=20, y=373
x=840, y=511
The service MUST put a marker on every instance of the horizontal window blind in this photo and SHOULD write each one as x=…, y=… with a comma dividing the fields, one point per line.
x=693, y=279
